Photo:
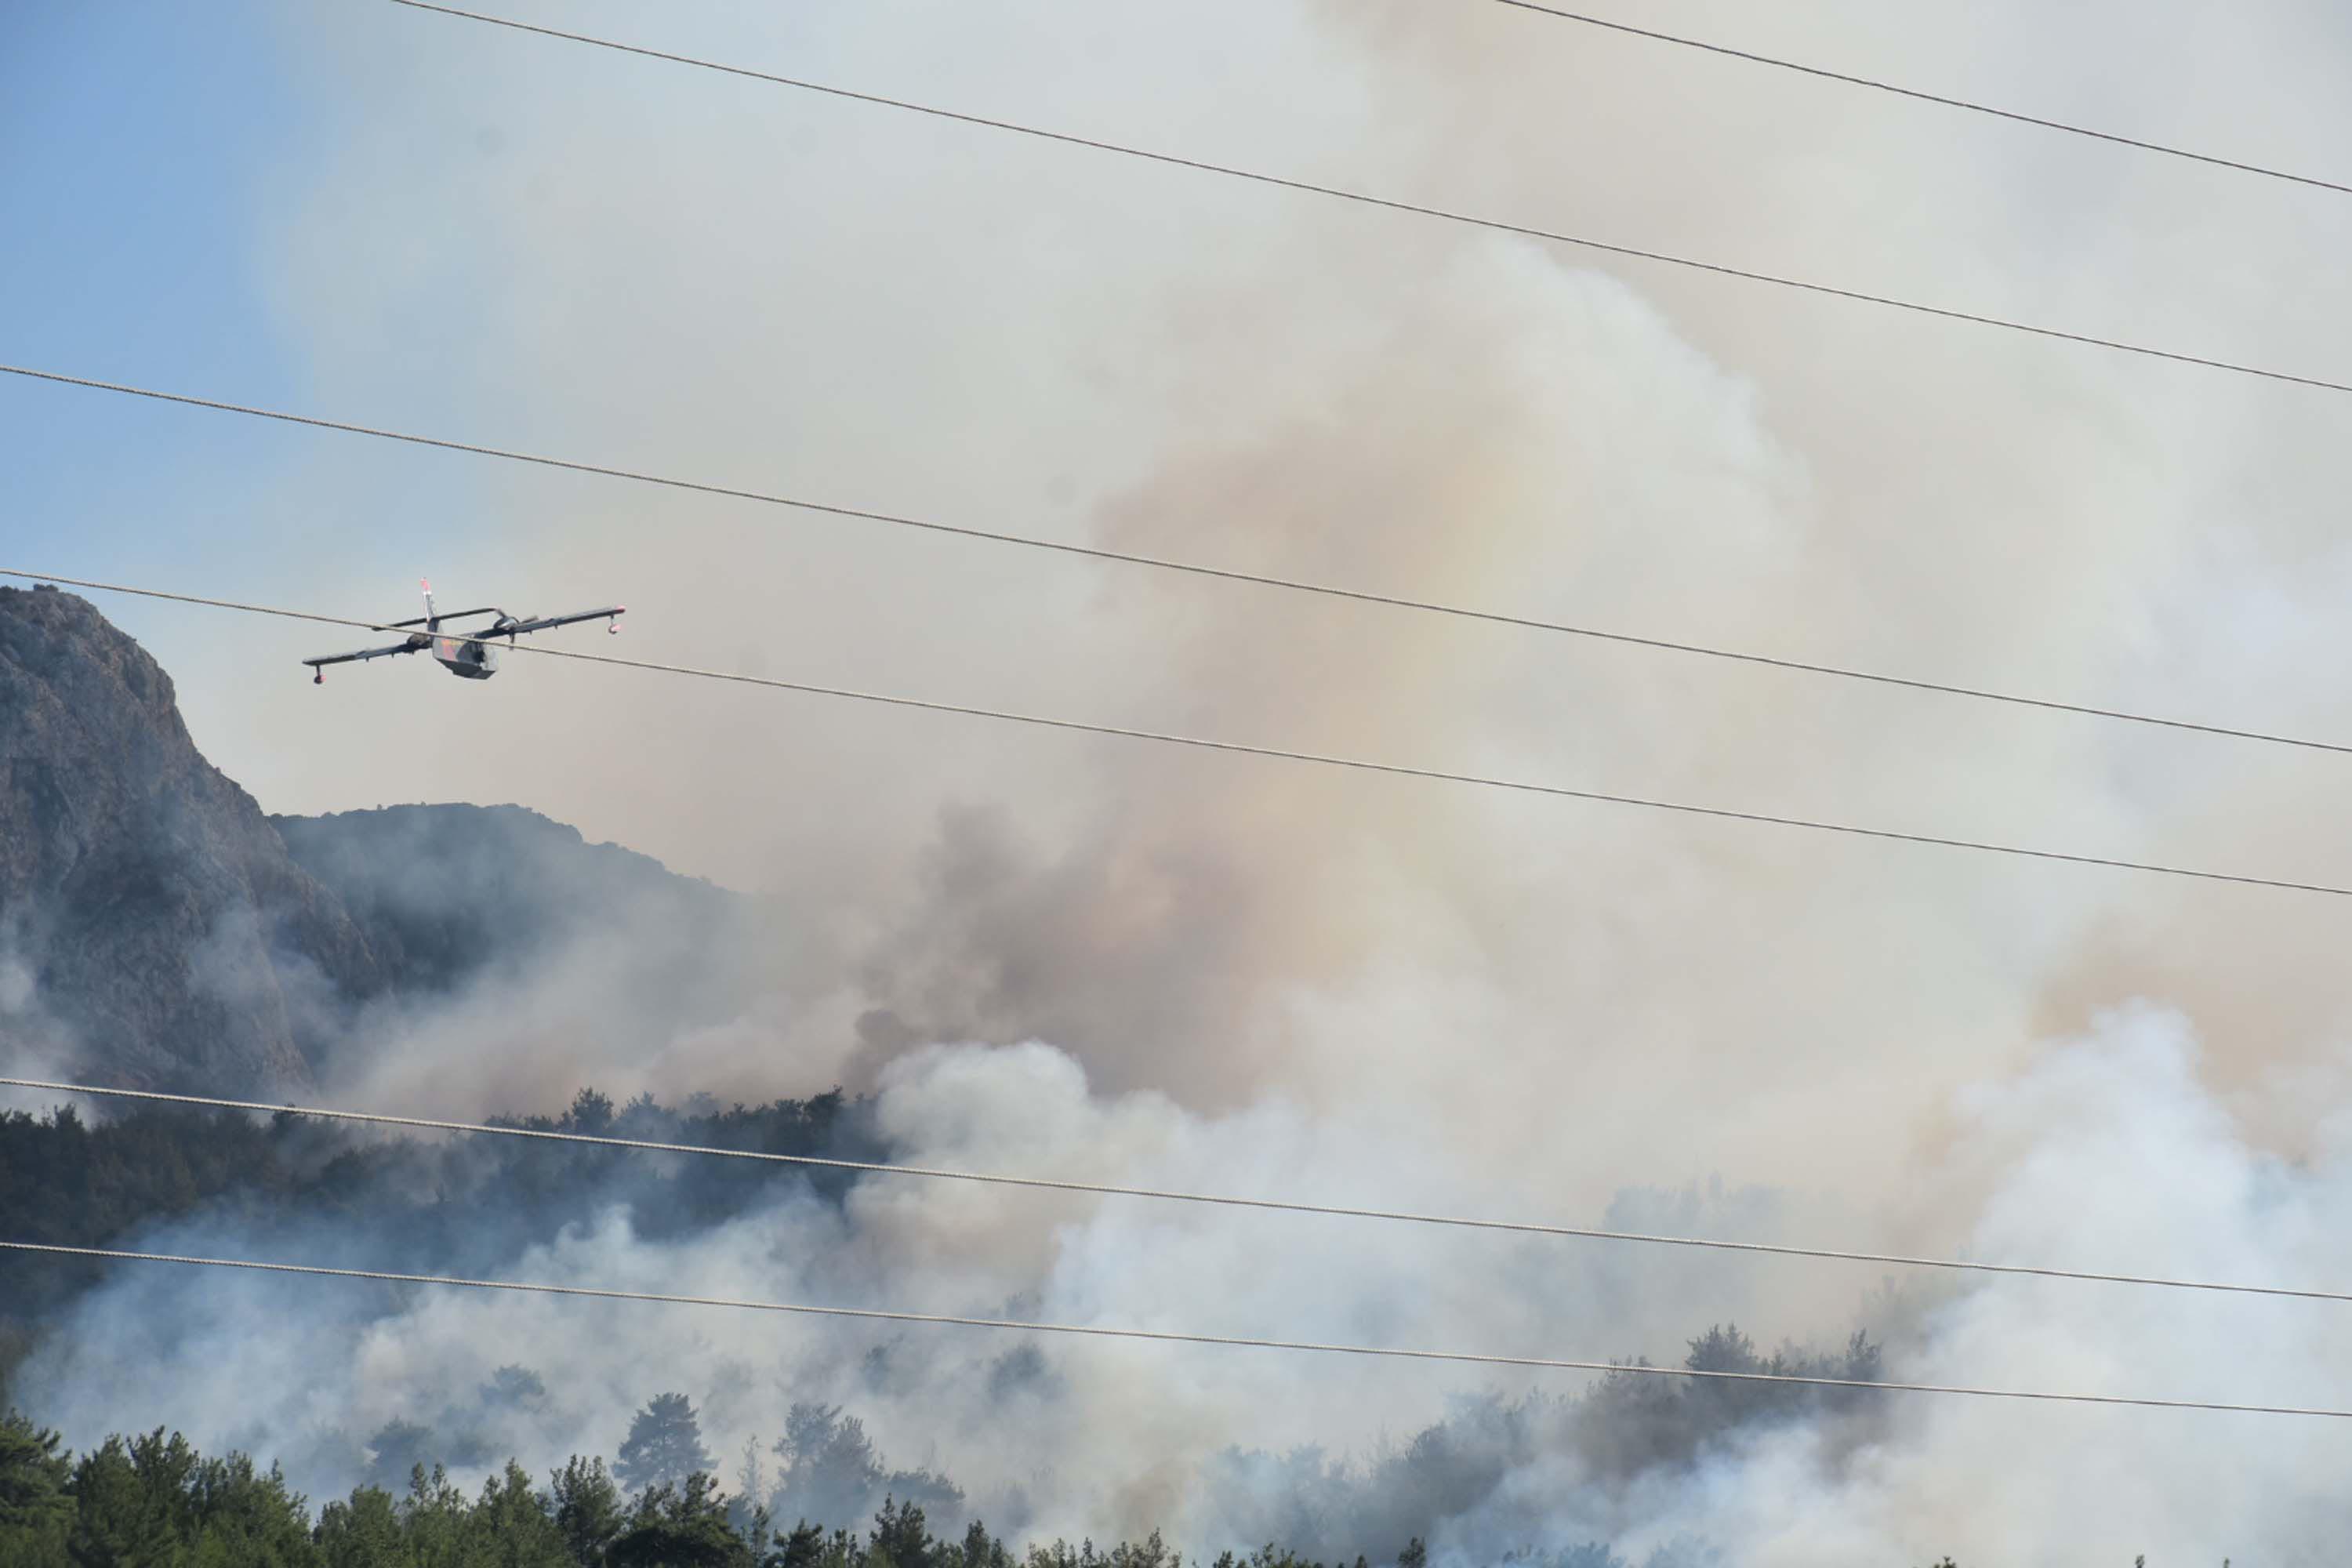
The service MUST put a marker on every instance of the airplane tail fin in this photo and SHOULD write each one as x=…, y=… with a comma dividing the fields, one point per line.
x=432, y=617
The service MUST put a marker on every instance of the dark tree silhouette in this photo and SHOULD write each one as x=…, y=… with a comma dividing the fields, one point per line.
x=680, y=1527
x=400, y=1448
x=664, y=1445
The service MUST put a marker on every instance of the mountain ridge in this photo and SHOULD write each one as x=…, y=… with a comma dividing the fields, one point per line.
x=159, y=931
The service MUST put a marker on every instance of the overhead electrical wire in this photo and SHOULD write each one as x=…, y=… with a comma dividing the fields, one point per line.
x=1430, y=606
x=1239, y=748
x=1391, y=204
x=1190, y=568
x=1850, y=80
x=1224, y=1200
x=1169, y=1336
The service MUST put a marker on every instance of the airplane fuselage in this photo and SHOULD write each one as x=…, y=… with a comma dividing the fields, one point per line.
x=466, y=658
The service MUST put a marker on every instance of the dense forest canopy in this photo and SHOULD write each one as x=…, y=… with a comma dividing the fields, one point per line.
x=154, y=1501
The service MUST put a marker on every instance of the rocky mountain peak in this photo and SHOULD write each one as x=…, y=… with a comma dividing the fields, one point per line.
x=158, y=930
x=150, y=914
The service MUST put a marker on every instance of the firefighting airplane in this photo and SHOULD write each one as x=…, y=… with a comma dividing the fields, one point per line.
x=467, y=654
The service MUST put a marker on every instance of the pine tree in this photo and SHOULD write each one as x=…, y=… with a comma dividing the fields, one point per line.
x=33, y=1506
x=510, y=1525
x=803, y=1548
x=587, y=1509
x=131, y=1501
x=664, y=1445
x=680, y=1527
x=900, y=1535
x=360, y=1533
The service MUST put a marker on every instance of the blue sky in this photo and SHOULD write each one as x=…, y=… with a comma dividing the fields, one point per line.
x=154, y=159
x=152, y=155
x=133, y=139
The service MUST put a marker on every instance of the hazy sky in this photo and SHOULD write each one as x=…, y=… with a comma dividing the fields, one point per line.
x=391, y=216
x=373, y=213
x=387, y=215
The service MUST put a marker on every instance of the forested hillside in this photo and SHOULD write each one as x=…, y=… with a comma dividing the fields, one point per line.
x=157, y=931
x=421, y=1205
x=154, y=1501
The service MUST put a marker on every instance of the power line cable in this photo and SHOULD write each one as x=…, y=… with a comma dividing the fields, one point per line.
x=1391, y=204
x=1191, y=568
x=1167, y=1336
x=1109, y=1189
x=1850, y=80
x=1239, y=748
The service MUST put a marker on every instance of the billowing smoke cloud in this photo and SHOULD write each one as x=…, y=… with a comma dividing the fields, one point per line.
x=1347, y=396
x=1254, y=977
x=2107, y=1153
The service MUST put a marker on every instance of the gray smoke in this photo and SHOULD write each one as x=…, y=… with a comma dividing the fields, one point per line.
x=2106, y=1154
x=1073, y=956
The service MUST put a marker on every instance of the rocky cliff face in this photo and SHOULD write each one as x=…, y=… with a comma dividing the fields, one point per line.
x=149, y=912
x=158, y=932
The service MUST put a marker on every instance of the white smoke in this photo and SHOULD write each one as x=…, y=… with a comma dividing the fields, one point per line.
x=2105, y=1155
x=1254, y=977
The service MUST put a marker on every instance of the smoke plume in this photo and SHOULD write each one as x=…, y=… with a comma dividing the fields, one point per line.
x=1078, y=956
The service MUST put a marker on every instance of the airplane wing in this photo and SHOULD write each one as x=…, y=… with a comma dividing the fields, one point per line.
x=409, y=647
x=540, y=623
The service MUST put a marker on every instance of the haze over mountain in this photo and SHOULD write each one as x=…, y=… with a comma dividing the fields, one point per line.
x=158, y=930
x=165, y=932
